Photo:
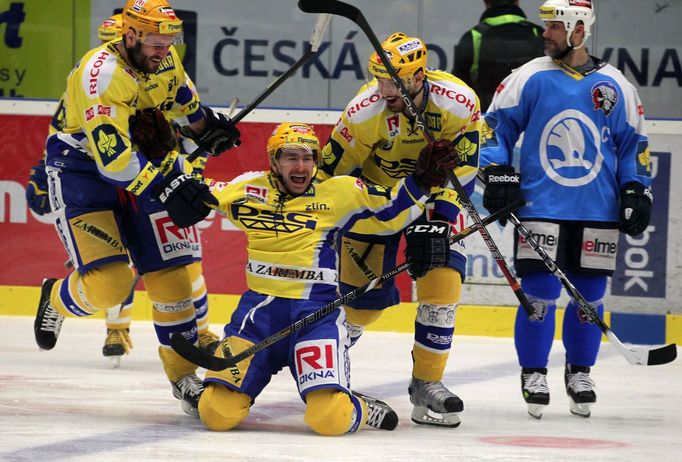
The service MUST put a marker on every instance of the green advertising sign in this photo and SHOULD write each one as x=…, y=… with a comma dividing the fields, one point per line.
x=40, y=40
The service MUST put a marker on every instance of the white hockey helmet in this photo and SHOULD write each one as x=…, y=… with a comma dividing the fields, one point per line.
x=569, y=12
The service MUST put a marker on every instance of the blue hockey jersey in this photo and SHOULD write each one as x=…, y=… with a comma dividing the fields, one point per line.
x=583, y=138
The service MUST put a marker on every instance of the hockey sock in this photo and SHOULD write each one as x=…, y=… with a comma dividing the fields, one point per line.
x=533, y=339
x=438, y=293
x=199, y=295
x=582, y=339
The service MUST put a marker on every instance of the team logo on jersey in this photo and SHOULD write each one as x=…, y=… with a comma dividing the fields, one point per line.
x=467, y=149
x=109, y=143
x=570, y=149
x=604, y=97
x=270, y=220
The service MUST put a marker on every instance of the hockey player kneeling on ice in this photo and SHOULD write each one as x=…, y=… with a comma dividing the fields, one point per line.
x=292, y=225
x=104, y=186
x=585, y=174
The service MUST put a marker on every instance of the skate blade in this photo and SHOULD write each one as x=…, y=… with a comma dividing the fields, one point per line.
x=422, y=415
x=115, y=361
x=535, y=410
x=189, y=409
x=579, y=409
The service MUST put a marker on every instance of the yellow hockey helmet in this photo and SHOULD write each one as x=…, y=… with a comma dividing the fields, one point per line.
x=111, y=28
x=407, y=55
x=296, y=135
x=150, y=17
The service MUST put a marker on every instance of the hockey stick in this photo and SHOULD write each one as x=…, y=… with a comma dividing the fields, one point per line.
x=354, y=14
x=201, y=358
x=315, y=40
x=638, y=356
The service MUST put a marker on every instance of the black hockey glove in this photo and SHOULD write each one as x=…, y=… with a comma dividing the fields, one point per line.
x=36, y=190
x=433, y=163
x=502, y=187
x=152, y=133
x=427, y=247
x=635, y=208
x=219, y=135
x=185, y=198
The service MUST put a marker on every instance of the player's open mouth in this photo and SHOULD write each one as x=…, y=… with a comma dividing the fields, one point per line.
x=298, y=179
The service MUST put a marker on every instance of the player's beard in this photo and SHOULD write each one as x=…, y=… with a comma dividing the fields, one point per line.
x=555, y=50
x=139, y=60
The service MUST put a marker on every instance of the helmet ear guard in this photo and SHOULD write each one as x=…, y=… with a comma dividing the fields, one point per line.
x=407, y=55
x=570, y=12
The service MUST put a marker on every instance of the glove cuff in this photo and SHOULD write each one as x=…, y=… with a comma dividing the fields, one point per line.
x=636, y=189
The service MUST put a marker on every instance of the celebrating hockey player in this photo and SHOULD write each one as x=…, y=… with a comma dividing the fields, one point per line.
x=108, y=159
x=584, y=173
x=376, y=140
x=292, y=226
x=118, y=341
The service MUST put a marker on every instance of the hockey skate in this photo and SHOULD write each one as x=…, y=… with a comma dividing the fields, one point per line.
x=117, y=344
x=208, y=341
x=48, y=321
x=535, y=390
x=379, y=414
x=188, y=390
x=434, y=404
x=579, y=387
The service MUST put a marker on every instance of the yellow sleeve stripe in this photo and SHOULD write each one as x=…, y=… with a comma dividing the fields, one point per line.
x=142, y=180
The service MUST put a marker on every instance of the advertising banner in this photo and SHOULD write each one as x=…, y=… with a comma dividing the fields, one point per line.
x=39, y=43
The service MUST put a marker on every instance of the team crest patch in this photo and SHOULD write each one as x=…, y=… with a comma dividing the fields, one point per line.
x=109, y=143
x=467, y=149
x=604, y=97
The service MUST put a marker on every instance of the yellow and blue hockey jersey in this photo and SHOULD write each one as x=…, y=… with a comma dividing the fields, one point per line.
x=381, y=146
x=102, y=93
x=292, y=241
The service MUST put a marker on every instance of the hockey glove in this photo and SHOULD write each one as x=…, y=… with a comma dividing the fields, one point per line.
x=427, y=247
x=36, y=190
x=185, y=198
x=502, y=187
x=219, y=135
x=433, y=163
x=635, y=208
x=152, y=133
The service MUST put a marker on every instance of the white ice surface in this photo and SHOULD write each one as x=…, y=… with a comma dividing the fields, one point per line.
x=70, y=404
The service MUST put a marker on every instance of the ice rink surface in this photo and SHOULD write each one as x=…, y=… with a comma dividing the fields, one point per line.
x=70, y=404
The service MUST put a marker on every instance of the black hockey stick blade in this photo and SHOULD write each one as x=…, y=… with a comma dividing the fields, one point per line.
x=331, y=7
x=663, y=355
x=196, y=355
